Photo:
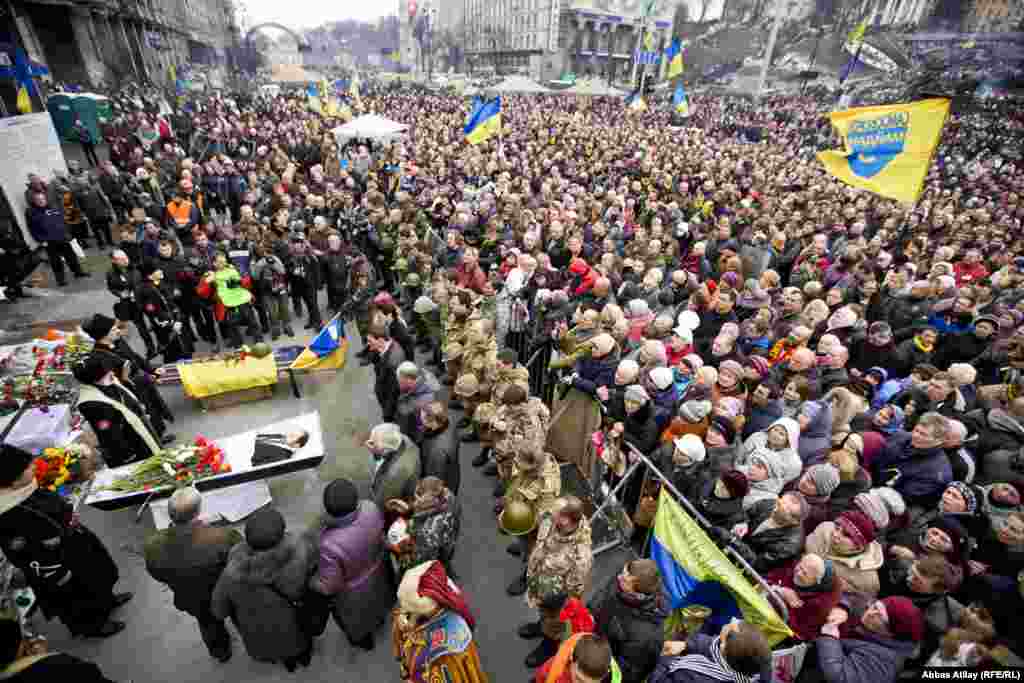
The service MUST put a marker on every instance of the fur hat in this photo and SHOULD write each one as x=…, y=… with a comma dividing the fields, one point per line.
x=264, y=529
x=340, y=498
x=99, y=326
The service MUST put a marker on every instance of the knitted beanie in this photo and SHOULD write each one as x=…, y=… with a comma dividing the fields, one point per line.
x=857, y=525
x=892, y=499
x=725, y=427
x=759, y=364
x=825, y=478
x=905, y=619
x=872, y=505
x=736, y=482
x=692, y=446
x=695, y=411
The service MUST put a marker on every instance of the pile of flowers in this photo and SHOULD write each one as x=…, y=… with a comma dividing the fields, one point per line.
x=178, y=466
x=60, y=467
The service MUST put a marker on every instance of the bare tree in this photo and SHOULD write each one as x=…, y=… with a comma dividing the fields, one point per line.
x=680, y=17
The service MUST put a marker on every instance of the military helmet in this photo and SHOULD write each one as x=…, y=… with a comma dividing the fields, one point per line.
x=412, y=279
x=518, y=518
x=387, y=243
x=401, y=264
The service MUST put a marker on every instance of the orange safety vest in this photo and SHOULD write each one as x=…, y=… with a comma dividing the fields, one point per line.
x=180, y=211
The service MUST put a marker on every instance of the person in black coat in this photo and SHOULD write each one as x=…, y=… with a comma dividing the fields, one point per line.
x=964, y=347
x=388, y=355
x=774, y=533
x=123, y=282
x=629, y=611
x=720, y=500
x=165, y=318
x=189, y=557
x=140, y=377
x=65, y=564
x=304, y=272
x=28, y=661
x=439, y=446
x=640, y=428
x=116, y=415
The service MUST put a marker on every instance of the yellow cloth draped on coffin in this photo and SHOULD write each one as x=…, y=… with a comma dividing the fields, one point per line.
x=211, y=378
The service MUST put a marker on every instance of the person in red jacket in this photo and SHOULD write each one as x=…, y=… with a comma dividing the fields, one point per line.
x=469, y=274
x=971, y=269
x=584, y=276
x=810, y=589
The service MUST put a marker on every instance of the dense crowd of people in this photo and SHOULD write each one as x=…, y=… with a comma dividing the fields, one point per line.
x=831, y=379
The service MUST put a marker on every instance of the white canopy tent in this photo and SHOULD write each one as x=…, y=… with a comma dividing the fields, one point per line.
x=519, y=84
x=370, y=126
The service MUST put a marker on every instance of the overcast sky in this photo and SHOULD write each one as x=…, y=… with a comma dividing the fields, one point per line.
x=299, y=14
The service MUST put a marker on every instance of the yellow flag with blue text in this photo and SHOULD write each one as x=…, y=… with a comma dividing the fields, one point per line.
x=484, y=123
x=695, y=572
x=887, y=149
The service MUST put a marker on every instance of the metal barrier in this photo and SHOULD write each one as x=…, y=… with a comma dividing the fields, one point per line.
x=611, y=501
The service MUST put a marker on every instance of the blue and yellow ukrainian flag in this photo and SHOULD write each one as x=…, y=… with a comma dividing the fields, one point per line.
x=887, y=149
x=474, y=108
x=696, y=572
x=327, y=351
x=484, y=123
x=674, y=55
x=634, y=102
x=680, y=101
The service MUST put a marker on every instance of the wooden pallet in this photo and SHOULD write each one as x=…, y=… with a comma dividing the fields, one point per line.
x=234, y=398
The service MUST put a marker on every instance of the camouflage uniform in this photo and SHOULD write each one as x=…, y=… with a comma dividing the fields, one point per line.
x=558, y=564
x=487, y=413
x=524, y=423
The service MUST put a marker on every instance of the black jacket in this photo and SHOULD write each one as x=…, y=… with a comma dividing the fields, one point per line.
x=58, y=666
x=642, y=429
x=634, y=631
x=439, y=457
x=37, y=537
x=724, y=513
x=120, y=442
x=385, y=385
x=769, y=549
x=190, y=560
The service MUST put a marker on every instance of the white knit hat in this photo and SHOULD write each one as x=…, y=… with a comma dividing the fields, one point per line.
x=692, y=446
x=662, y=378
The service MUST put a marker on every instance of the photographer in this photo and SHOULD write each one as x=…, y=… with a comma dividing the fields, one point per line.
x=270, y=282
x=232, y=300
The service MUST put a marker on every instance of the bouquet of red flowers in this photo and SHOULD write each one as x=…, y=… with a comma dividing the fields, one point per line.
x=178, y=466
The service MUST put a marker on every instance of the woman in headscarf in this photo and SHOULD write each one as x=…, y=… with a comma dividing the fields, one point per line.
x=810, y=589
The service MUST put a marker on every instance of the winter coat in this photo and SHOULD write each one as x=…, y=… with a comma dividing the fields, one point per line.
x=868, y=657
x=55, y=666
x=720, y=512
x=439, y=457
x=771, y=548
x=816, y=438
x=699, y=645
x=352, y=567
x=435, y=534
x=247, y=592
x=919, y=475
x=595, y=372
x=397, y=474
x=783, y=466
x=842, y=497
x=642, y=429
x=906, y=311
x=859, y=572
x=807, y=620
x=46, y=224
x=190, y=560
x=959, y=348
x=997, y=430
x=385, y=385
x=634, y=631
x=408, y=404
x=905, y=357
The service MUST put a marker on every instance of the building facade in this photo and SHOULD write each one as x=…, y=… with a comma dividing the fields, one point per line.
x=546, y=39
x=95, y=43
x=995, y=16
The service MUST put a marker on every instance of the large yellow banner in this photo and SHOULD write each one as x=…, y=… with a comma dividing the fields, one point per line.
x=887, y=149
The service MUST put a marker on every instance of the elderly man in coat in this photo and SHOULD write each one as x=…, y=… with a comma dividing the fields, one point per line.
x=394, y=464
x=264, y=576
x=417, y=387
x=190, y=557
x=352, y=563
x=388, y=357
